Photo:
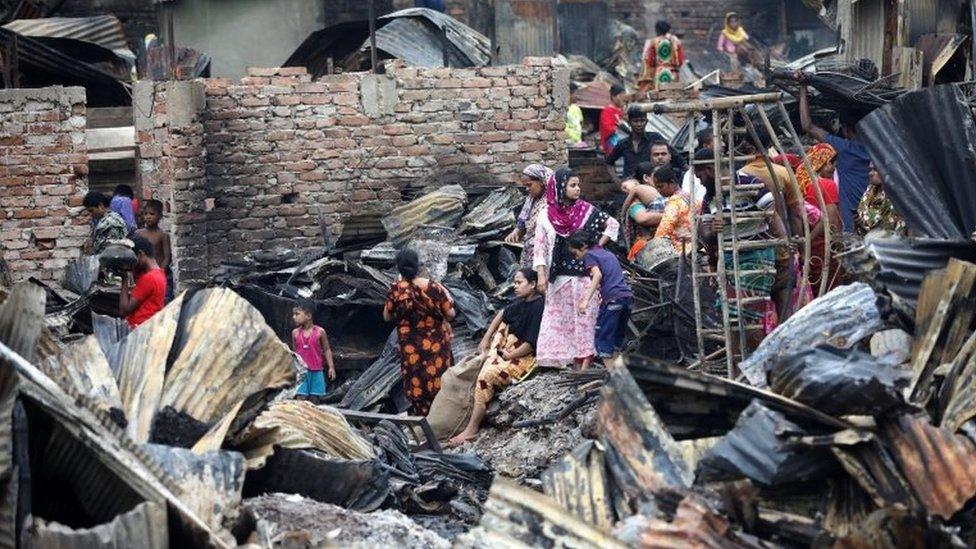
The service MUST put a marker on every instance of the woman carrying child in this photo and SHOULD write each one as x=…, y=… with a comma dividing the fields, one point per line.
x=508, y=347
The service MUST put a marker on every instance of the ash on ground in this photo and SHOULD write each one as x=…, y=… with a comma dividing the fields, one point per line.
x=524, y=453
x=284, y=520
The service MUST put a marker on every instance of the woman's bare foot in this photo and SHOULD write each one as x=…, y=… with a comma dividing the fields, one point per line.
x=462, y=437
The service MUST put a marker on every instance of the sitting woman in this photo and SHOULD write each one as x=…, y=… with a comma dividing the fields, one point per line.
x=643, y=209
x=508, y=348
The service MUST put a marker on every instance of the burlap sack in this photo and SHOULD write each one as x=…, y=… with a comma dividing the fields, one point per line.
x=451, y=409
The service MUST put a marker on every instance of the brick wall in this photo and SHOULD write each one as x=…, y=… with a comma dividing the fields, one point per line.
x=43, y=168
x=277, y=149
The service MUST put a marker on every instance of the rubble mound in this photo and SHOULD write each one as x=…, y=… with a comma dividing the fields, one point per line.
x=293, y=521
x=524, y=453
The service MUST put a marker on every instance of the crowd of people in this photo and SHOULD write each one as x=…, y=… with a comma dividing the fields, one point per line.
x=149, y=285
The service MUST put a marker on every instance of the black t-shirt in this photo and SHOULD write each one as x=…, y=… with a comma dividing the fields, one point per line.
x=524, y=318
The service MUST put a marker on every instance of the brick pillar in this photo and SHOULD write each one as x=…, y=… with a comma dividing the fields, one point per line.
x=172, y=168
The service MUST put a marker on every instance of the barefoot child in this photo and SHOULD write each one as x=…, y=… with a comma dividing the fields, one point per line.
x=312, y=345
x=616, y=297
x=152, y=214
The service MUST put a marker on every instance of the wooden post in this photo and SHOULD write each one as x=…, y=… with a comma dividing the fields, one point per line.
x=372, y=36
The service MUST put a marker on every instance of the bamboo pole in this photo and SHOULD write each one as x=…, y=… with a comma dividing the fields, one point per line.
x=699, y=105
x=720, y=263
x=825, y=275
x=796, y=187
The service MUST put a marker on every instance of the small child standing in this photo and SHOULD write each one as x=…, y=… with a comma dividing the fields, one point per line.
x=312, y=345
x=152, y=215
x=616, y=297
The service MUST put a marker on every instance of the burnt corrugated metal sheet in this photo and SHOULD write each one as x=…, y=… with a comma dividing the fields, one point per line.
x=929, y=17
x=584, y=29
x=219, y=363
x=102, y=30
x=87, y=448
x=759, y=448
x=524, y=28
x=334, y=42
x=301, y=425
x=140, y=360
x=83, y=366
x=41, y=65
x=924, y=144
x=579, y=483
x=867, y=30
x=443, y=208
x=695, y=405
x=210, y=482
x=939, y=465
x=516, y=516
x=641, y=453
x=470, y=43
x=842, y=317
x=696, y=523
x=839, y=382
x=904, y=262
x=144, y=526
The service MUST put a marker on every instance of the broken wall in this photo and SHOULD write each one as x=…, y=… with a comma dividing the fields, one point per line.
x=277, y=150
x=43, y=169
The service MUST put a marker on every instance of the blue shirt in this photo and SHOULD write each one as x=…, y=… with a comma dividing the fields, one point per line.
x=852, y=166
x=122, y=205
x=613, y=286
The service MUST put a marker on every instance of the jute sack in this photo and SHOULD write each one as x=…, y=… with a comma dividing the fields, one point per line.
x=451, y=409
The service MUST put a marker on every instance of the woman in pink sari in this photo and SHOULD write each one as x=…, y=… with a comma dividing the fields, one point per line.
x=565, y=335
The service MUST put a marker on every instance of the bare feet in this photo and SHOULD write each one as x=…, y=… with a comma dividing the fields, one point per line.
x=462, y=437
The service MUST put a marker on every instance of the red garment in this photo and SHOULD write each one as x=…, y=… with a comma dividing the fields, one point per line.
x=609, y=117
x=309, y=347
x=150, y=293
x=828, y=188
x=135, y=207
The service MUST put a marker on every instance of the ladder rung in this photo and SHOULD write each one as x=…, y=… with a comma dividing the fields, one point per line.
x=732, y=322
x=723, y=161
x=758, y=244
x=749, y=300
x=746, y=187
x=747, y=215
x=751, y=272
x=706, y=275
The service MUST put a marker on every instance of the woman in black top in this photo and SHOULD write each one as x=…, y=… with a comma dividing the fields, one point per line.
x=508, y=348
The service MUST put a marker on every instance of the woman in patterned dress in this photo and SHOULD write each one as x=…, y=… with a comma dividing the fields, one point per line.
x=566, y=336
x=422, y=310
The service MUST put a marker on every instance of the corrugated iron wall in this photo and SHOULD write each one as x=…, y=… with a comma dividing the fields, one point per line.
x=584, y=28
x=867, y=31
x=524, y=28
x=929, y=16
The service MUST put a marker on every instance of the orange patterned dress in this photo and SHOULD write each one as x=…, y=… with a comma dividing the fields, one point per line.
x=425, y=336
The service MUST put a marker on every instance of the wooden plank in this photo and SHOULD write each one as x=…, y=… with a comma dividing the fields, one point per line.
x=909, y=65
x=411, y=422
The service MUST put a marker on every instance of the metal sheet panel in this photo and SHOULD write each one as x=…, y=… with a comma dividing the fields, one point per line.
x=584, y=28
x=899, y=137
x=904, y=263
x=866, y=35
x=103, y=30
x=939, y=465
x=524, y=28
x=928, y=16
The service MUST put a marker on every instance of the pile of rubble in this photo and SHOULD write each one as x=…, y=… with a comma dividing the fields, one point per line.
x=156, y=437
x=826, y=443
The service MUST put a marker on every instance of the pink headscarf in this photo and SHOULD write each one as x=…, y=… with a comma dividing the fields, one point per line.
x=565, y=218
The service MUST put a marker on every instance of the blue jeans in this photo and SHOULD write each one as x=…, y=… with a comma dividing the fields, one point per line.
x=611, y=326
